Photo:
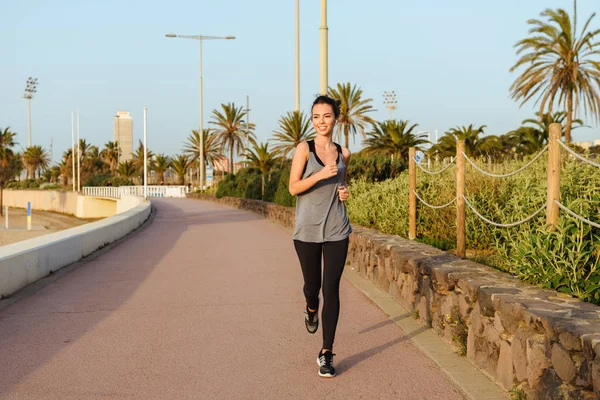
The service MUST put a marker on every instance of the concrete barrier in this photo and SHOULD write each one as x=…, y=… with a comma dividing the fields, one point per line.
x=25, y=262
x=42, y=200
x=62, y=202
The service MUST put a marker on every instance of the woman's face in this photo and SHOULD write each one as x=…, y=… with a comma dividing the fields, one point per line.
x=323, y=119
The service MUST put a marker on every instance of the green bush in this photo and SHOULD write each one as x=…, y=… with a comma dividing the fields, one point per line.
x=374, y=168
x=567, y=259
x=271, y=185
x=282, y=194
x=103, y=180
x=245, y=184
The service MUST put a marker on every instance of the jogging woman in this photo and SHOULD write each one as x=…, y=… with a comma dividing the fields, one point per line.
x=322, y=228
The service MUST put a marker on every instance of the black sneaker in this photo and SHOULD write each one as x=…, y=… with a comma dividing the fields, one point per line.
x=312, y=320
x=325, y=361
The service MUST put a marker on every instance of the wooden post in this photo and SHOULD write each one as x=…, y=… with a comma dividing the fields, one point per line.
x=553, y=176
x=461, y=241
x=412, y=198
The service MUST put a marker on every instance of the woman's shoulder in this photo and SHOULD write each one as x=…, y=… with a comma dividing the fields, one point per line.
x=344, y=150
x=303, y=146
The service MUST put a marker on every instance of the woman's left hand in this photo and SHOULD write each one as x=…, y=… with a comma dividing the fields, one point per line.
x=344, y=193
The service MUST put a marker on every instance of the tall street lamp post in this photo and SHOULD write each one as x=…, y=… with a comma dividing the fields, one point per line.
x=324, y=33
x=30, y=90
x=200, y=38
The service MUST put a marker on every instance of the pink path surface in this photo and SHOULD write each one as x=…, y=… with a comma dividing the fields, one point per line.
x=205, y=303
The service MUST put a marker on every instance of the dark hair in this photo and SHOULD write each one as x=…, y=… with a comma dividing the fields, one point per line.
x=323, y=99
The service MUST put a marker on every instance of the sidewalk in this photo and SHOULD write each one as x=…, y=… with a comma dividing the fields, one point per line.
x=205, y=303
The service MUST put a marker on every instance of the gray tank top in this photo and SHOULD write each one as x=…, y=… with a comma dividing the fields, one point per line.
x=320, y=214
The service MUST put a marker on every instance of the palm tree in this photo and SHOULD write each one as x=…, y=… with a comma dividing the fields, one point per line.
x=7, y=142
x=111, y=154
x=161, y=164
x=126, y=169
x=353, y=110
x=496, y=147
x=393, y=138
x=446, y=146
x=294, y=127
x=55, y=173
x=529, y=139
x=93, y=164
x=84, y=147
x=560, y=65
x=7, y=160
x=231, y=129
x=35, y=158
x=66, y=166
x=212, y=147
x=180, y=165
x=261, y=158
x=138, y=160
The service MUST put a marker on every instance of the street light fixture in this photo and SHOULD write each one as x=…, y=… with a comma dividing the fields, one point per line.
x=200, y=38
x=389, y=99
x=30, y=90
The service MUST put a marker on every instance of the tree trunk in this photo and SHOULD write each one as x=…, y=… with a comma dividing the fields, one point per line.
x=263, y=188
x=231, y=159
x=568, y=138
x=347, y=137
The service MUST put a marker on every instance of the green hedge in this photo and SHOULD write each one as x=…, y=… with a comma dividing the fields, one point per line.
x=105, y=179
x=374, y=168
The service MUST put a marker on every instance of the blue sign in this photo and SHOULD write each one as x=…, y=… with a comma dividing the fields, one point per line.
x=419, y=156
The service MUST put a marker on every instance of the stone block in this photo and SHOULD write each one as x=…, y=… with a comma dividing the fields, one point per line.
x=584, y=376
x=537, y=361
x=505, y=371
x=549, y=386
x=423, y=309
x=486, y=298
x=563, y=363
x=519, y=353
x=596, y=376
x=464, y=306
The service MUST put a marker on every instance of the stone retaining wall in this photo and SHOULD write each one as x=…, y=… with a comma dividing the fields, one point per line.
x=539, y=341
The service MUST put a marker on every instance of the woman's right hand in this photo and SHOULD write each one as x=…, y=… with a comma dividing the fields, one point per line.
x=328, y=171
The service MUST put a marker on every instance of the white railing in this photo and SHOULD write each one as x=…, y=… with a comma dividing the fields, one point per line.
x=118, y=192
x=98, y=191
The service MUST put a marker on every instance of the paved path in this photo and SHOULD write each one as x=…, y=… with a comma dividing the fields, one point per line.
x=205, y=303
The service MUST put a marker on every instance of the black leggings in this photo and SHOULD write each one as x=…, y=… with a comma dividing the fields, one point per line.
x=334, y=258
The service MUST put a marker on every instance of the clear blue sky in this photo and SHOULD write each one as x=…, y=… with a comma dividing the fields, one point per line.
x=447, y=60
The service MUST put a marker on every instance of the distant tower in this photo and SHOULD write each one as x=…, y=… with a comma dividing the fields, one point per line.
x=123, y=133
x=389, y=99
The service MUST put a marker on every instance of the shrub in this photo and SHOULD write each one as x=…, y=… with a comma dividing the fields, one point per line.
x=104, y=179
x=282, y=194
x=374, y=168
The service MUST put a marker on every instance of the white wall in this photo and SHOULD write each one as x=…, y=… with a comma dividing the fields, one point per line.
x=25, y=262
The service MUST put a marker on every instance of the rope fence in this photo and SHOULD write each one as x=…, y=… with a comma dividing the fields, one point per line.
x=432, y=172
x=513, y=224
x=434, y=207
x=510, y=173
x=579, y=156
x=579, y=217
x=552, y=204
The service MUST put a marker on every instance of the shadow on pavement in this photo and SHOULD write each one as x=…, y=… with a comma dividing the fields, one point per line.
x=349, y=362
x=39, y=326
